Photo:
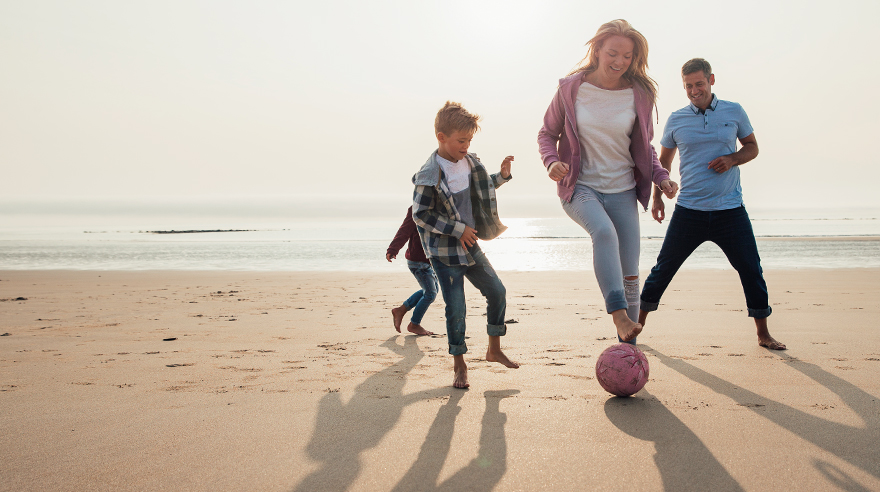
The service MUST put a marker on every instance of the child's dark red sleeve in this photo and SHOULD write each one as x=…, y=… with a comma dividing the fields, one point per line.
x=403, y=234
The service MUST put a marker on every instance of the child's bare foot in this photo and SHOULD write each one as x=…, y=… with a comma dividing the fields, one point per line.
x=461, y=378
x=417, y=329
x=397, y=313
x=496, y=355
x=771, y=343
x=627, y=329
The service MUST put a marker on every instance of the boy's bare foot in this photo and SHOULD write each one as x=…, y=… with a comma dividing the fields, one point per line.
x=627, y=329
x=460, y=368
x=771, y=343
x=417, y=329
x=496, y=355
x=397, y=313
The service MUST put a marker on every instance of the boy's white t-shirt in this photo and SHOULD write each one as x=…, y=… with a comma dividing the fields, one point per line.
x=458, y=174
x=605, y=121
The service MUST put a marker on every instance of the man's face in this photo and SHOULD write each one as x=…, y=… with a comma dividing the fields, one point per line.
x=699, y=88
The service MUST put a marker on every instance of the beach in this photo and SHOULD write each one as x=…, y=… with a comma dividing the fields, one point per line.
x=220, y=380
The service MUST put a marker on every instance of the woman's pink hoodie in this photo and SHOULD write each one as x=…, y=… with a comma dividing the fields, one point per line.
x=558, y=140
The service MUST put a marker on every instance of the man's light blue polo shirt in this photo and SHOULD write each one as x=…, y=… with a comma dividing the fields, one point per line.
x=701, y=137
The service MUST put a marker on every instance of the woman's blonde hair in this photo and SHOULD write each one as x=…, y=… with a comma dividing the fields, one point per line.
x=637, y=73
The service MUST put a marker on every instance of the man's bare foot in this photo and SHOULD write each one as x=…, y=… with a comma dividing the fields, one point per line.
x=771, y=344
x=498, y=356
x=627, y=329
x=764, y=338
x=397, y=313
x=418, y=330
x=460, y=368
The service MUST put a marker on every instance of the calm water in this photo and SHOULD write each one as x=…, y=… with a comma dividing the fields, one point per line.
x=123, y=241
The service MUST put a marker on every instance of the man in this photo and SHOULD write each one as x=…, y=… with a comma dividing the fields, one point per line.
x=710, y=206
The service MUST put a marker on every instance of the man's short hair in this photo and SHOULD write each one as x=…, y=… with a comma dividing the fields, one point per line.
x=452, y=118
x=696, y=65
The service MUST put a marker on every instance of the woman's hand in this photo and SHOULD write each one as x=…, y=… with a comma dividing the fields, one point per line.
x=669, y=188
x=558, y=170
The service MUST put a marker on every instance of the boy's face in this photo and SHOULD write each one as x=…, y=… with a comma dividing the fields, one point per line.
x=455, y=146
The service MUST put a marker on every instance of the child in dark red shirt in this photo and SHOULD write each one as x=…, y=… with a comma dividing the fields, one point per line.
x=421, y=270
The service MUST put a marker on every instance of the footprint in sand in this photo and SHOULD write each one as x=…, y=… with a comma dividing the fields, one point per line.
x=575, y=376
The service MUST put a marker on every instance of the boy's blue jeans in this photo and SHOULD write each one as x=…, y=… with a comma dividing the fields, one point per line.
x=732, y=231
x=421, y=299
x=483, y=277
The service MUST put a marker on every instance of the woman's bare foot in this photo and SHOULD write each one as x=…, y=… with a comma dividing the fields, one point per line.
x=418, y=330
x=460, y=368
x=397, y=313
x=627, y=329
x=771, y=344
x=498, y=356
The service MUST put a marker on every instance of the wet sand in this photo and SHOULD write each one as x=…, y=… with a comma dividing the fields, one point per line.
x=298, y=381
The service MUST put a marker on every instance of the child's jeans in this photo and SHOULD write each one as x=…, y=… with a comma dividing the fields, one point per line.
x=422, y=299
x=483, y=277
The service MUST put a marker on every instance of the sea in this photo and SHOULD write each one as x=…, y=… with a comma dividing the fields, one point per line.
x=141, y=237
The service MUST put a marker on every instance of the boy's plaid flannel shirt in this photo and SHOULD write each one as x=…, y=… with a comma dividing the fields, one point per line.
x=440, y=225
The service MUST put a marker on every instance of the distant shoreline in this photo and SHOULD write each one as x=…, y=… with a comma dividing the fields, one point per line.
x=759, y=238
x=197, y=231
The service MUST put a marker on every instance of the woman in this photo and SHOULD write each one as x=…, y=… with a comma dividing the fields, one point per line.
x=596, y=144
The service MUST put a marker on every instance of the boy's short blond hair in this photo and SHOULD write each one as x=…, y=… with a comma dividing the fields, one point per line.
x=452, y=118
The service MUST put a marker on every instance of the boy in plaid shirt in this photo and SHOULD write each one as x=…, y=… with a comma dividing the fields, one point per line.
x=454, y=205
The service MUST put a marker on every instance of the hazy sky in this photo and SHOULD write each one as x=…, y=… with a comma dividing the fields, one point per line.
x=278, y=99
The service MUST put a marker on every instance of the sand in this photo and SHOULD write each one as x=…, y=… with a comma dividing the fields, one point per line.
x=298, y=381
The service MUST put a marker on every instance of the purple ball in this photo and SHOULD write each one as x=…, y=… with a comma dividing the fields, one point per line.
x=622, y=369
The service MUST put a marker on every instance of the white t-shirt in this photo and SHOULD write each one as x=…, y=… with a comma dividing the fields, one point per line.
x=605, y=121
x=458, y=174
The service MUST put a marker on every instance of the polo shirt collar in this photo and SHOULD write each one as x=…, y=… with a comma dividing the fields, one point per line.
x=712, y=105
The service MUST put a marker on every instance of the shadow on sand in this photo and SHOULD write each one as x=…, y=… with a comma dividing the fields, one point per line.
x=684, y=462
x=683, y=459
x=483, y=472
x=343, y=431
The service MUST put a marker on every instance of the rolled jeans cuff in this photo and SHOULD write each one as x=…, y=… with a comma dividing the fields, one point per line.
x=458, y=349
x=760, y=313
x=650, y=306
x=496, y=330
x=615, y=301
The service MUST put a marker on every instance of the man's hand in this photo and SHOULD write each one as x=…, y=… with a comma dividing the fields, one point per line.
x=669, y=188
x=389, y=257
x=468, y=237
x=505, y=166
x=658, y=210
x=722, y=164
x=558, y=170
